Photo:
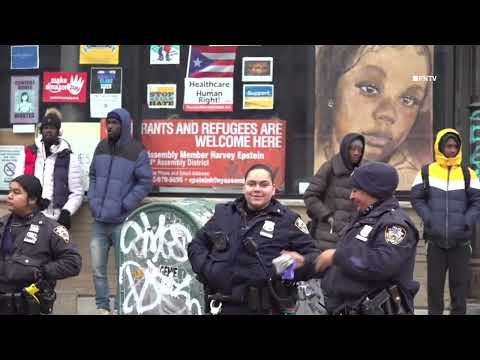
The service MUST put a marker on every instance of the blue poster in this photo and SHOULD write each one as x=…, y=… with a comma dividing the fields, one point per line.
x=24, y=57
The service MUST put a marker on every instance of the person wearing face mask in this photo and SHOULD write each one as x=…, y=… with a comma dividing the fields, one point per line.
x=446, y=195
x=120, y=178
x=327, y=197
x=232, y=253
x=50, y=159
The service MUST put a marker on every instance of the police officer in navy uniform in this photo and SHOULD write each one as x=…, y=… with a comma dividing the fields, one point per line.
x=371, y=271
x=35, y=251
x=232, y=254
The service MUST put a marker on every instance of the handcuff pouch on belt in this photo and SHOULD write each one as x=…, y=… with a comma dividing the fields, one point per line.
x=386, y=302
x=276, y=296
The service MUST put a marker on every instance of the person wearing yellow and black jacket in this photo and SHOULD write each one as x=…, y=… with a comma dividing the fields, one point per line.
x=448, y=205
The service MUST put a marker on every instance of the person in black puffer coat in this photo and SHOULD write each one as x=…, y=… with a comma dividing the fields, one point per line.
x=327, y=196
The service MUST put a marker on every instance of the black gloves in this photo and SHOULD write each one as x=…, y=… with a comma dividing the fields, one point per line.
x=64, y=218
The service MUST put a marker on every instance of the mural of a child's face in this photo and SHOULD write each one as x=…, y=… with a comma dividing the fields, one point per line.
x=379, y=99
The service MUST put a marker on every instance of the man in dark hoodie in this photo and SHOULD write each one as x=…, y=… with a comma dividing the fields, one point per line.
x=327, y=197
x=449, y=207
x=120, y=178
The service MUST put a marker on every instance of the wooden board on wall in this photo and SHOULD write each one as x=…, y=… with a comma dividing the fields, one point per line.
x=7, y=137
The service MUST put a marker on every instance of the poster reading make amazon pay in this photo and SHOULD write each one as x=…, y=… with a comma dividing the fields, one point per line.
x=105, y=91
x=214, y=152
x=65, y=87
x=24, y=99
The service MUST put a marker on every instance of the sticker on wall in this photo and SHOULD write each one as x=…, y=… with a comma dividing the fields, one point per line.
x=257, y=96
x=164, y=54
x=162, y=96
x=8, y=160
x=257, y=69
x=105, y=91
x=24, y=99
x=99, y=54
x=24, y=57
x=65, y=87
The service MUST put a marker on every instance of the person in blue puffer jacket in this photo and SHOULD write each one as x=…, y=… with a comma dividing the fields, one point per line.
x=120, y=178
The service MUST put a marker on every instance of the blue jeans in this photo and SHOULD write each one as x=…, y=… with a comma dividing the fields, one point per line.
x=103, y=237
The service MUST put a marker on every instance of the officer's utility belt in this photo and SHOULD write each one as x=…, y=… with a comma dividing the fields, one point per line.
x=388, y=301
x=267, y=299
x=16, y=303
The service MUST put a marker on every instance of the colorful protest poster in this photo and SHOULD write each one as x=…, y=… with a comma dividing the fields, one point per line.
x=105, y=91
x=24, y=57
x=8, y=159
x=24, y=99
x=162, y=96
x=257, y=96
x=208, y=95
x=164, y=54
x=257, y=69
x=214, y=152
x=83, y=138
x=99, y=54
x=65, y=87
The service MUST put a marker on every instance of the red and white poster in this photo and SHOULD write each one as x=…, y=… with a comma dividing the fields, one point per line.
x=208, y=95
x=65, y=87
x=213, y=152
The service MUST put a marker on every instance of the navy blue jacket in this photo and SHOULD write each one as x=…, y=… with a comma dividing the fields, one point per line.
x=229, y=269
x=38, y=244
x=120, y=176
x=376, y=250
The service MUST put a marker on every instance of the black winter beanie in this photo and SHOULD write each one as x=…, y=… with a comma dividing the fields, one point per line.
x=375, y=178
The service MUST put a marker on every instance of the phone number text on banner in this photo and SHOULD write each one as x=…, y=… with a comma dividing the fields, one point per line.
x=213, y=152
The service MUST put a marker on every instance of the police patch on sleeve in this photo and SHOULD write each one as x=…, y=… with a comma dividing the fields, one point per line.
x=301, y=225
x=394, y=234
x=62, y=232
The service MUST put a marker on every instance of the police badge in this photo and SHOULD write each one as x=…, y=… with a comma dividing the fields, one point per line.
x=62, y=232
x=394, y=234
x=301, y=225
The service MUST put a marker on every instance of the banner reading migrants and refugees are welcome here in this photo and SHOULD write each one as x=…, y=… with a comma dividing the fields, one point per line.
x=213, y=152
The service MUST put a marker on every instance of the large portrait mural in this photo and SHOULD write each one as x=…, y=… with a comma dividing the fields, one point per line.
x=381, y=91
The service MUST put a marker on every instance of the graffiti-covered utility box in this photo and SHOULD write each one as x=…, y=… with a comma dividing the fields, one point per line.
x=155, y=276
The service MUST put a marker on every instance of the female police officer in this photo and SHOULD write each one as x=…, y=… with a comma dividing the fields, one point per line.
x=371, y=271
x=33, y=249
x=232, y=254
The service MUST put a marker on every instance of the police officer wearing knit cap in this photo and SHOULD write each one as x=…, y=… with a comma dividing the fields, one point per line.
x=33, y=249
x=371, y=270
